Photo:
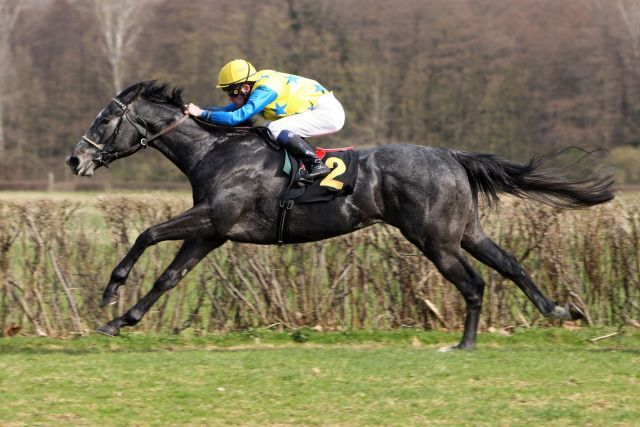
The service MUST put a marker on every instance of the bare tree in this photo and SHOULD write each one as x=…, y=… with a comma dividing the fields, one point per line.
x=119, y=25
x=9, y=12
x=630, y=12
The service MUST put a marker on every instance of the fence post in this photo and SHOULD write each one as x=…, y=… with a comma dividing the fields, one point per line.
x=52, y=182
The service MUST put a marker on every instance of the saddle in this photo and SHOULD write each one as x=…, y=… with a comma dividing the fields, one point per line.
x=341, y=181
x=290, y=164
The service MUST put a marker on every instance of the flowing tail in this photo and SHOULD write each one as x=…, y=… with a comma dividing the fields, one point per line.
x=491, y=175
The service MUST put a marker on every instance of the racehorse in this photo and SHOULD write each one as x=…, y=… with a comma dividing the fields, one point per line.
x=430, y=194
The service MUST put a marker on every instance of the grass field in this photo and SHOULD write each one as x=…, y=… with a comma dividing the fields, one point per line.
x=58, y=251
x=532, y=377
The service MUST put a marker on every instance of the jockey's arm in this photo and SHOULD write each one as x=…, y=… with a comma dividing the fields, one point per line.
x=257, y=101
x=196, y=111
x=229, y=107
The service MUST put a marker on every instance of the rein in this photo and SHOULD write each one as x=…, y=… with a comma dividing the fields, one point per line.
x=244, y=129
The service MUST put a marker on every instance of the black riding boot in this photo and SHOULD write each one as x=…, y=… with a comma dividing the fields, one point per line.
x=303, y=151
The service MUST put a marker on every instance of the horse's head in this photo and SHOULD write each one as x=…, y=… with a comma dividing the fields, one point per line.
x=118, y=131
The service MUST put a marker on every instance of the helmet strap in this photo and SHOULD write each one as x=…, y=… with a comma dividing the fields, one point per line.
x=246, y=79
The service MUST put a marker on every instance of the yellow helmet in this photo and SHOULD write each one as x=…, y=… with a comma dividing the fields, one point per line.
x=236, y=71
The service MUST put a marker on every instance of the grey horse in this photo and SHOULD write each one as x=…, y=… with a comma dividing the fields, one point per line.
x=429, y=194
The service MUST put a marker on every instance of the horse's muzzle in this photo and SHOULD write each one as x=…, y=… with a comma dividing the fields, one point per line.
x=81, y=167
x=73, y=162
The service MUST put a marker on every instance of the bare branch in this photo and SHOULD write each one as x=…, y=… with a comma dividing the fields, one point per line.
x=630, y=13
x=9, y=12
x=119, y=23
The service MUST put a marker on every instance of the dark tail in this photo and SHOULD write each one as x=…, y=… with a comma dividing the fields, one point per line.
x=491, y=175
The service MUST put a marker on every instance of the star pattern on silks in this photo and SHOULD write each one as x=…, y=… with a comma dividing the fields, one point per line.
x=319, y=88
x=280, y=109
x=292, y=79
x=263, y=76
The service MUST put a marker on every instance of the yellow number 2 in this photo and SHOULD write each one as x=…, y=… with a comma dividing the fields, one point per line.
x=338, y=168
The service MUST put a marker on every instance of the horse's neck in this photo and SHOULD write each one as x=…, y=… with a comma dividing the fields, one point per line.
x=189, y=144
x=185, y=146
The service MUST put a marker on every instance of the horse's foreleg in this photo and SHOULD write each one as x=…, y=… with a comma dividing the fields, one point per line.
x=190, y=254
x=193, y=223
x=489, y=253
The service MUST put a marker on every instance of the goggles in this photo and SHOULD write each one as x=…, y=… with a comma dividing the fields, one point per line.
x=233, y=90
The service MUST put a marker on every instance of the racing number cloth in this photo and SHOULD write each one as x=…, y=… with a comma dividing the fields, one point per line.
x=340, y=181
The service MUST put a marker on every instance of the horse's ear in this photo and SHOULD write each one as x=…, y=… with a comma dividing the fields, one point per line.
x=137, y=92
x=131, y=93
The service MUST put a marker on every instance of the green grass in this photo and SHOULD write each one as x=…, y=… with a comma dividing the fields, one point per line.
x=533, y=377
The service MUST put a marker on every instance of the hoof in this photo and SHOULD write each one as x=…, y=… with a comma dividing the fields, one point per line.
x=454, y=348
x=575, y=312
x=108, y=300
x=108, y=330
x=569, y=312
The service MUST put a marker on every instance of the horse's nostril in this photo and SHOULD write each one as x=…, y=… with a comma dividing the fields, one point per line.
x=73, y=162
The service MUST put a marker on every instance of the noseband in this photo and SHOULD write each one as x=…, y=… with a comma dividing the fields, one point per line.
x=108, y=155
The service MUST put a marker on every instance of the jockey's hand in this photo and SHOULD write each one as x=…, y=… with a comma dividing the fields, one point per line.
x=192, y=109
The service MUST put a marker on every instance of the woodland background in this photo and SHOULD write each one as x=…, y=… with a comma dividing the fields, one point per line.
x=508, y=77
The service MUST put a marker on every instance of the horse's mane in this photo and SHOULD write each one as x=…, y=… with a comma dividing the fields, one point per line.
x=156, y=92
x=162, y=92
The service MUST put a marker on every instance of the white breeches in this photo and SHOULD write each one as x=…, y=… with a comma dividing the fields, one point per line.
x=326, y=117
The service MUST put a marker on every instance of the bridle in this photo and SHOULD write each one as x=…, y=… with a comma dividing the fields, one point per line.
x=107, y=154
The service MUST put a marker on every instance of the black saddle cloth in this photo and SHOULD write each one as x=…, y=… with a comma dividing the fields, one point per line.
x=341, y=180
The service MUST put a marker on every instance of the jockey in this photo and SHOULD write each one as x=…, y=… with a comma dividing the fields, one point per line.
x=296, y=108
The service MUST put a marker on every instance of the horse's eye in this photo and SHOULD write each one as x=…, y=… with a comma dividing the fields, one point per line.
x=104, y=121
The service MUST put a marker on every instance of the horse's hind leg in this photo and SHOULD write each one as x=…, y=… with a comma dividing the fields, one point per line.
x=488, y=252
x=456, y=269
x=190, y=254
x=446, y=254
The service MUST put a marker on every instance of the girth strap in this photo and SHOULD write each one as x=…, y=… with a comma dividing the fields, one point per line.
x=284, y=217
